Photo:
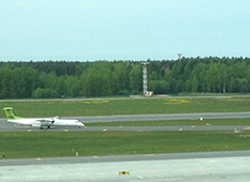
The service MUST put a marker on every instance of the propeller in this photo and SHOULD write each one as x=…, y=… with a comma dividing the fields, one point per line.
x=55, y=118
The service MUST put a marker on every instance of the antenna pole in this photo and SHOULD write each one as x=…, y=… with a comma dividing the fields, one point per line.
x=179, y=56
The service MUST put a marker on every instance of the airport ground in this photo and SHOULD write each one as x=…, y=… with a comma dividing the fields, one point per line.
x=227, y=166
x=202, y=166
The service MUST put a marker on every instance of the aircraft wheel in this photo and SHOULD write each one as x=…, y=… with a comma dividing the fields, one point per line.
x=48, y=127
x=41, y=127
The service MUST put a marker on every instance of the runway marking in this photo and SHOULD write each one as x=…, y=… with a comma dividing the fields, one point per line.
x=96, y=157
x=150, y=155
x=155, y=180
x=39, y=159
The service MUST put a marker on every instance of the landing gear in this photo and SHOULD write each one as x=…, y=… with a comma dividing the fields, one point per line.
x=41, y=127
x=48, y=127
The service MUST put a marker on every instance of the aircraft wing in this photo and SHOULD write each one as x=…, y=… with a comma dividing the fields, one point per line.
x=42, y=122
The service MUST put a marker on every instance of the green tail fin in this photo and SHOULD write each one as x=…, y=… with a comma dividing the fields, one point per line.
x=10, y=113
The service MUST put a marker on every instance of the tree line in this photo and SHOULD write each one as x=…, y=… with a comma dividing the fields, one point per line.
x=53, y=79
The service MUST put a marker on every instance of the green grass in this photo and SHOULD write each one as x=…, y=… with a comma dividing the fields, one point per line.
x=55, y=144
x=215, y=122
x=86, y=143
x=129, y=106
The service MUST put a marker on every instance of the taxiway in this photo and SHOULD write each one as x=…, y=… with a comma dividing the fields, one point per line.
x=189, y=167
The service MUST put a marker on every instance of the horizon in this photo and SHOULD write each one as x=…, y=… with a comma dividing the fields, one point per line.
x=198, y=57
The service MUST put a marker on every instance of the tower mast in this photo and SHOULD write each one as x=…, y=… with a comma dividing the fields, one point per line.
x=145, y=80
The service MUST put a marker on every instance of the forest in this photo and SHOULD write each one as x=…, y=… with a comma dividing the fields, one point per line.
x=57, y=79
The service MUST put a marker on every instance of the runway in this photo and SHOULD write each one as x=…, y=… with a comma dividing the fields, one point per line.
x=6, y=126
x=187, y=167
x=158, y=117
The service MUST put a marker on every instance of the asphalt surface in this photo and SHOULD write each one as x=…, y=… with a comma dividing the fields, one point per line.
x=203, y=166
x=158, y=117
x=6, y=126
x=121, y=158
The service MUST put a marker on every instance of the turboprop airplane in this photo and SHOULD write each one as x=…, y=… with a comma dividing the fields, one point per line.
x=40, y=122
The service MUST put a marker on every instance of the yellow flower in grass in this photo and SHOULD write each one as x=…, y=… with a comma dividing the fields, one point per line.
x=95, y=101
x=177, y=101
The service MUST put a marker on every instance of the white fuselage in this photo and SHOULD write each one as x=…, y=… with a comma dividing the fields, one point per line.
x=30, y=121
x=67, y=122
x=47, y=122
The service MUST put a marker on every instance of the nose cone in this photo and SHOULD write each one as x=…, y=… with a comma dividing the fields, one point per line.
x=80, y=124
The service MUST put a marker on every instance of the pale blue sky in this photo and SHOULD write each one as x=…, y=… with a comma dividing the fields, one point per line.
x=123, y=29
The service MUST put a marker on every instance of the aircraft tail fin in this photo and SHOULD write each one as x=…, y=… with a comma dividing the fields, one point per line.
x=10, y=113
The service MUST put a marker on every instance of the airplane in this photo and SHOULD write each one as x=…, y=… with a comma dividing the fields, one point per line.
x=40, y=122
